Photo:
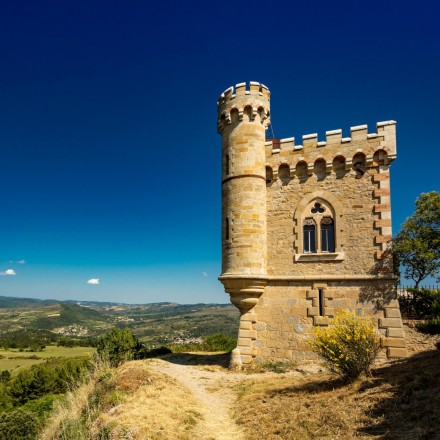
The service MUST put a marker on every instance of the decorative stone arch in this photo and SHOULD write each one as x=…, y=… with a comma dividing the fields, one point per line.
x=337, y=210
x=380, y=157
x=284, y=174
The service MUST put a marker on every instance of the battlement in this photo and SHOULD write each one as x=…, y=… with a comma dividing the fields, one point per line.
x=235, y=102
x=255, y=88
x=374, y=148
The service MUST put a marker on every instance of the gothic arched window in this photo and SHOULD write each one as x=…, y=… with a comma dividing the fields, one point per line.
x=318, y=230
x=309, y=240
x=327, y=235
x=319, y=221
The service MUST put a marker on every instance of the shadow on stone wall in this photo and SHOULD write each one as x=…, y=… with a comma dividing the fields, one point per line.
x=381, y=291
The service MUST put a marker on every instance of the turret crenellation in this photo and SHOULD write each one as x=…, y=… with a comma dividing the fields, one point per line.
x=255, y=98
x=285, y=151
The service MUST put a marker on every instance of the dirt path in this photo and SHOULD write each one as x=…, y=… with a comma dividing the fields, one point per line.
x=213, y=389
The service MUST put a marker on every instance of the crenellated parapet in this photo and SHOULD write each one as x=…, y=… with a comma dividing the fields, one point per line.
x=362, y=150
x=236, y=102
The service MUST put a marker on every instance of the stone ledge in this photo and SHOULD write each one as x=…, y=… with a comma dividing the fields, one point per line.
x=334, y=256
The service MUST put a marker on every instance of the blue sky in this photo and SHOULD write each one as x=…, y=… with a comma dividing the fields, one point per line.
x=110, y=159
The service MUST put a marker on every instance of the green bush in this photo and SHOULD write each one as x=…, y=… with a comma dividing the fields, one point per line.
x=431, y=327
x=219, y=342
x=118, y=346
x=52, y=377
x=18, y=425
x=420, y=303
x=348, y=346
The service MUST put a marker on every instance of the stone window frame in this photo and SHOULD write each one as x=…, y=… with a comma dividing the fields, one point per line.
x=302, y=211
x=320, y=313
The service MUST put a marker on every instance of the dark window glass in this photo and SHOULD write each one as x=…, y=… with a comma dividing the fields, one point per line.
x=327, y=235
x=309, y=236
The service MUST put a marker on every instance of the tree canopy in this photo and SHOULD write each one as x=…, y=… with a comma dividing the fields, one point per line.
x=417, y=245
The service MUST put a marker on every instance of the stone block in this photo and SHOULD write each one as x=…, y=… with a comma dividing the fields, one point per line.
x=378, y=192
x=293, y=319
x=394, y=352
x=320, y=320
x=312, y=311
x=382, y=223
x=245, y=325
x=395, y=333
x=299, y=311
x=246, y=350
x=382, y=207
x=248, y=317
x=392, y=313
x=247, y=334
x=381, y=176
x=382, y=238
x=329, y=311
x=299, y=328
x=390, y=322
x=244, y=342
x=312, y=294
x=394, y=303
x=261, y=326
x=393, y=342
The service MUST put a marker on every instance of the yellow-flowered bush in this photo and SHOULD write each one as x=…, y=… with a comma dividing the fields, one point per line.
x=349, y=345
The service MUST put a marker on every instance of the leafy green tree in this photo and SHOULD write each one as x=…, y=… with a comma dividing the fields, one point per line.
x=119, y=345
x=31, y=384
x=417, y=245
x=18, y=425
x=5, y=376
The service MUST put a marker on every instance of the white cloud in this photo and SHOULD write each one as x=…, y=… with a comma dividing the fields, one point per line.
x=93, y=281
x=21, y=262
x=8, y=272
x=205, y=274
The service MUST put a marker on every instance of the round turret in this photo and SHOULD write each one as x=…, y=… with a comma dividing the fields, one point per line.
x=243, y=116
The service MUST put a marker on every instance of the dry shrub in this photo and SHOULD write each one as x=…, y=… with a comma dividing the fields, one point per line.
x=131, y=375
x=348, y=346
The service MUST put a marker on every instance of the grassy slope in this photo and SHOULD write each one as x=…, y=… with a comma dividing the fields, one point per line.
x=400, y=402
x=132, y=402
x=14, y=361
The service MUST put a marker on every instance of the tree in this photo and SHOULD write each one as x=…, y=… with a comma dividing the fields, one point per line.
x=118, y=345
x=417, y=245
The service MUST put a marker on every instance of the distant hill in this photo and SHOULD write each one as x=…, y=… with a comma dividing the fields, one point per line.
x=70, y=314
x=10, y=302
x=154, y=323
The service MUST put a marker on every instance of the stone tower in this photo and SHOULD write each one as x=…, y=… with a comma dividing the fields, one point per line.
x=305, y=229
x=243, y=116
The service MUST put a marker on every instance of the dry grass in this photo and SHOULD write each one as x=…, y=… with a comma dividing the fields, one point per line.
x=400, y=402
x=72, y=415
x=154, y=406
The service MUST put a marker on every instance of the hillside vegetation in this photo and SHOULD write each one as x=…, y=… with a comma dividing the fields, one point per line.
x=154, y=324
x=140, y=400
